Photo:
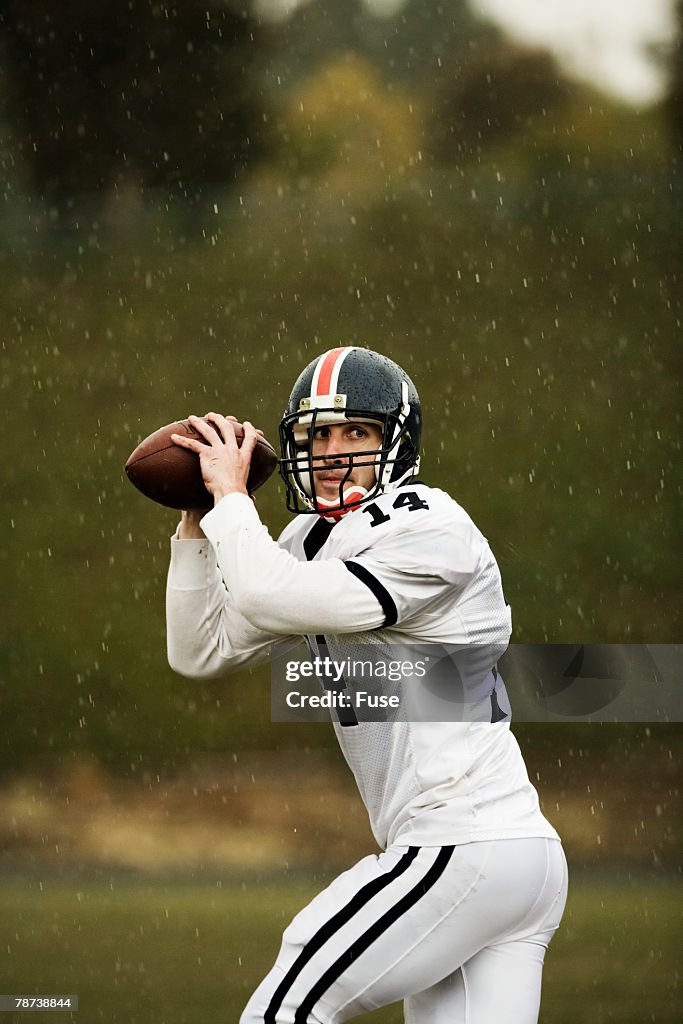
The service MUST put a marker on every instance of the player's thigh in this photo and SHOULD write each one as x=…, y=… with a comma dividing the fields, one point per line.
x=337, y=950
x=398, y=924
x=502, y=981
x=505, y=900
x=498, y=984
x=323, y=931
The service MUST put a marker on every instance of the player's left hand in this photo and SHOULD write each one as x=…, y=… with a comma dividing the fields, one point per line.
x=224, y=464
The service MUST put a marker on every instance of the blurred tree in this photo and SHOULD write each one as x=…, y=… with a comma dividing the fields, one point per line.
x=675, y=112
x=412, y=43
x=346, y=130
x=131, y=94
x=421, y=41
x=497, y=92
x=313, y=32
x=676, y=93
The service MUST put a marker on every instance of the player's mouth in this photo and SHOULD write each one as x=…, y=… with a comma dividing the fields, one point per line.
x=329, y=484
x=333, y=479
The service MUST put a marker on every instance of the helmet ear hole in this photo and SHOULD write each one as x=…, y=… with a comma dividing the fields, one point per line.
x=407, y=455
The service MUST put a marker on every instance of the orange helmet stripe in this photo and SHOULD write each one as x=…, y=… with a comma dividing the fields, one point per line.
x=325, y=376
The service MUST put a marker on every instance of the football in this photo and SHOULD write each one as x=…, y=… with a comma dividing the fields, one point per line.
x=171, y=475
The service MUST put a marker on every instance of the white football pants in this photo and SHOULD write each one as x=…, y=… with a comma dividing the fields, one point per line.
x=459, y=933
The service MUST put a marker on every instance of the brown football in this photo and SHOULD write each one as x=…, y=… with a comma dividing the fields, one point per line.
x=171, y=475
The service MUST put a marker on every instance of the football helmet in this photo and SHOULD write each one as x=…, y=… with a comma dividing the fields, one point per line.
x=349, y=384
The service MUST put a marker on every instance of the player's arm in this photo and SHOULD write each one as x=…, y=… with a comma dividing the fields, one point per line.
x=278, y=593
x=274, y=591
x=207, y=635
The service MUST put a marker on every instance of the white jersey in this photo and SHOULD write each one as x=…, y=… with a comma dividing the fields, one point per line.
x=408, y=567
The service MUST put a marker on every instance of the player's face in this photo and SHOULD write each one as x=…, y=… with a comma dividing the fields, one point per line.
x=331, y=443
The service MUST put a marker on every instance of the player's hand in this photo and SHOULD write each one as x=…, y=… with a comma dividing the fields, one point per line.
x=224, y=464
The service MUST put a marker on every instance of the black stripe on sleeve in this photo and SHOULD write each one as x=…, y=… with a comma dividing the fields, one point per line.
x=364, y=941
x=381, y=593
x=337, y=921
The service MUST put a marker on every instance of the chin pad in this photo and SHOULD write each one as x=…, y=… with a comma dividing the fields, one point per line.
x=332, y=511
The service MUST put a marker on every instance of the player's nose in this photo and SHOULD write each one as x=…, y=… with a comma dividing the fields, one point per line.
x=334, y=445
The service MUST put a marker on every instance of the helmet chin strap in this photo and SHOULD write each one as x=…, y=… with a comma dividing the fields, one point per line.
x=333, y=511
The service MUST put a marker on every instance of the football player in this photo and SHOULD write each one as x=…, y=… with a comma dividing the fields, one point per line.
x=455, y=914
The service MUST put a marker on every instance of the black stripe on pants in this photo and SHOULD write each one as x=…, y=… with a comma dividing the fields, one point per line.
x=359, y=901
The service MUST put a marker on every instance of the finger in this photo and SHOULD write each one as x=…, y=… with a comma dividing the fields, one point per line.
x=250, y=439
x=206, y=430
x=233, y=419
x=183, y=441
x=225, y=428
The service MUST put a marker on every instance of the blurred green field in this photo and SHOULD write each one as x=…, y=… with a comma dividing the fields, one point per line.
x=529, y=287
x=188, y=952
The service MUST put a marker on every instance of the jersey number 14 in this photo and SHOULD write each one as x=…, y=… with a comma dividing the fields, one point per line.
x=406, y=499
